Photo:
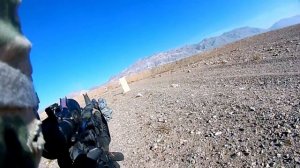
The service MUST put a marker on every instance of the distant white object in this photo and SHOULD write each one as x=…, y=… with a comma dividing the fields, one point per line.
x=124, y=85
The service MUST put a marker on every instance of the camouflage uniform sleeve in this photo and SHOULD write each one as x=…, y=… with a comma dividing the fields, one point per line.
x=21, y=141
x=105, y=110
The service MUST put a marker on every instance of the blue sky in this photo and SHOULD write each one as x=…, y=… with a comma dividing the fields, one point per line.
x=81, y=44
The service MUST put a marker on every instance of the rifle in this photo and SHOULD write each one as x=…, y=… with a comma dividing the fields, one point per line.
x=78, y=137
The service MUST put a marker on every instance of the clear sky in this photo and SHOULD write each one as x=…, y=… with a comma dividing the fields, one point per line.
x=80, y=44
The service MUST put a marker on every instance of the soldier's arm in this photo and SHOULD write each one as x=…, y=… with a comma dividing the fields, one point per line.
x=21, y=141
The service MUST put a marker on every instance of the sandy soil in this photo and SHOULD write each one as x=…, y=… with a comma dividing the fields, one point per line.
x=237, y=107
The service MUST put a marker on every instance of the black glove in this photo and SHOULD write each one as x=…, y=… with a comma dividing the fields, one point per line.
x=51, y=109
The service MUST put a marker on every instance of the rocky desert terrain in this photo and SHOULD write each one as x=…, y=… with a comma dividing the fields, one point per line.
x=236, y=106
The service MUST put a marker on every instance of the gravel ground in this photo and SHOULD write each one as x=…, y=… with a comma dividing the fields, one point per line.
x=237, y=107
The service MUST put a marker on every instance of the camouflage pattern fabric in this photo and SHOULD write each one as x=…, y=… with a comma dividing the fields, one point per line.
x=101, y=127
x=21, y=140
x=105, y=110
x=93, y=144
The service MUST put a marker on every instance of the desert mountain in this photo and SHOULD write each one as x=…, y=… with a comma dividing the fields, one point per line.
x=206, y=44
x=286, y=22
x=189, y=50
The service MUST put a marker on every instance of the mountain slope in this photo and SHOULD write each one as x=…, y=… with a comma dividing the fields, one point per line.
x=227, y=37
x=189, y=50
x=206, y=44
x=286, y=22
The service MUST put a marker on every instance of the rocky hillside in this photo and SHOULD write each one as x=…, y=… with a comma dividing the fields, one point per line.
x=189, y=50
x=286, y=22
x=205, y=45
x=235, y=106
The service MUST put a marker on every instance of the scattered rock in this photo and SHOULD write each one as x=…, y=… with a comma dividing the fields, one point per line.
x=162, y=120
x=154, y=146
x=139, y=95
x=246, y=152
x=252, y=108
x=175, y=85
x=183, y=141
x=241, y=129
x=218, y=133
x=242, y=88
x=224, y=61
x=270, y=49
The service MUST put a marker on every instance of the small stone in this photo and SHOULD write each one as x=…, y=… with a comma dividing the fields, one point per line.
x=218, y=133
x=161, y=120
x=286, y=156
x=277, y=126
x=242, y=88
x=252, y=108
x=189, y=71
x=158, y=140
x=224, y=61
x=234, y=155
x=139, y=95
x=174, y=85
x=272, y=164
x=154, y=146
x=182, y=141
x=246, y=152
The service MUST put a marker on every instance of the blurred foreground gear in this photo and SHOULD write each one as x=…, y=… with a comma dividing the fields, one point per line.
x=21, y=141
